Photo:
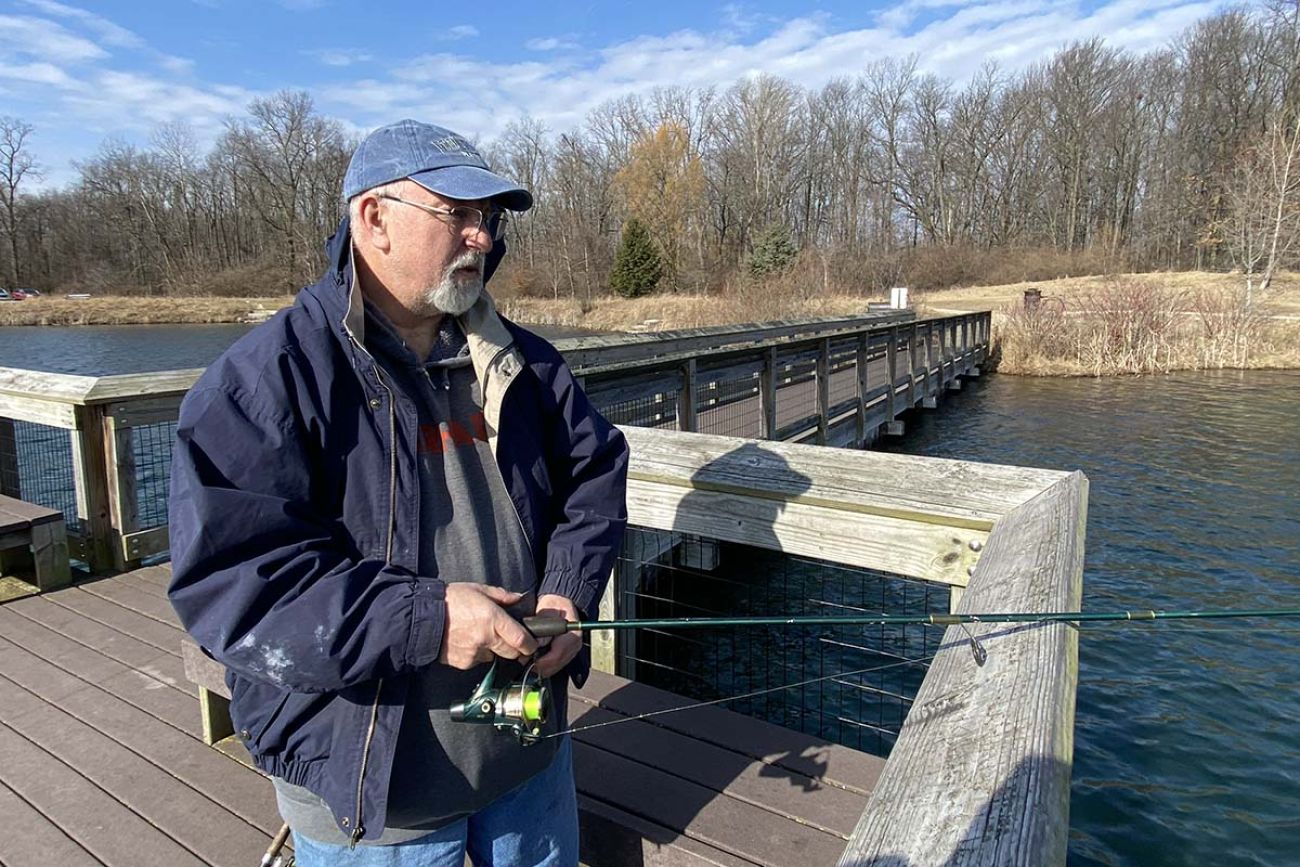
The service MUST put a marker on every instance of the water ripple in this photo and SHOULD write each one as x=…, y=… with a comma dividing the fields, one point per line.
x=1185, y=745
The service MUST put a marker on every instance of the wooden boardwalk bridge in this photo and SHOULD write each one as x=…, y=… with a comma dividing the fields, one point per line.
x=102, y=755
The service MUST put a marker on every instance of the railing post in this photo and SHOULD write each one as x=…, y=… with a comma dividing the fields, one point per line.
x=929, y=390
x=90, y=471
x=891, y=362
x=945, y=341
x=10, y=480
x=911, y=363
x=123, y=503
x=823, y=389
x=860, y=367
x=686, y=420
x=604, y=644
x=965, y=344
x=767, y=395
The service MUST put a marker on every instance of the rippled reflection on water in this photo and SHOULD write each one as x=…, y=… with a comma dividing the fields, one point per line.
x=1187, y=749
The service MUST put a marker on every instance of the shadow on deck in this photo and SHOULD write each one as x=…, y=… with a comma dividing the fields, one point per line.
x=103, y=761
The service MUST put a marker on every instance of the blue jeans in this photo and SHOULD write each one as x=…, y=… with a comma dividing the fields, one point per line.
x=536, y=825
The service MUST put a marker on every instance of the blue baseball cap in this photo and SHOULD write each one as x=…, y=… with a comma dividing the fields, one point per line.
x=437, y=159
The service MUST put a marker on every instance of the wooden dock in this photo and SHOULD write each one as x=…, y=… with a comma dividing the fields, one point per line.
x=101, y=756
x=102, y=760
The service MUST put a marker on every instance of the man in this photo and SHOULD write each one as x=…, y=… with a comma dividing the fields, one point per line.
x=361, y=488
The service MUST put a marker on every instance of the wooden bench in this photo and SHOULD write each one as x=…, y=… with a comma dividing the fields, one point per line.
x=34, y=544
x=703, y=786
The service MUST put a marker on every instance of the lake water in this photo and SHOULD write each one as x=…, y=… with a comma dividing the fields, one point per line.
x=98, y=350
x=1187, y=749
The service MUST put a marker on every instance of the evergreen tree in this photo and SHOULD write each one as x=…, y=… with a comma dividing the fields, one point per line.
x=773, y=252
x=637, y=264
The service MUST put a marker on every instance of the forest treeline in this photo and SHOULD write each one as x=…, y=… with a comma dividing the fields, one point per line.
x=1090, y=160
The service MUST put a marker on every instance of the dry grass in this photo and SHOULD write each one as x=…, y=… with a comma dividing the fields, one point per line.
x=118, y=310
x=671, y=312
x=1283, y=298
x=1137, y=324
x=1084, y=326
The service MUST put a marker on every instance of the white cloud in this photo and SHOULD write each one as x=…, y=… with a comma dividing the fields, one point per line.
x=460, y=31
x=107, y=31
x=38, y=73
x=339, y=56
x=552, y=43
x=44, y=40
x=178, y=65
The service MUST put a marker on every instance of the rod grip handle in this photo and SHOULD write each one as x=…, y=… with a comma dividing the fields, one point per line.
x=543, y=626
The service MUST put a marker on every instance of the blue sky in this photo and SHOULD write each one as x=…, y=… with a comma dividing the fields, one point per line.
x=81, y=72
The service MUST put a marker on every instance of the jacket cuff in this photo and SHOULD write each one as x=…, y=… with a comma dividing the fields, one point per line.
x=563, y=582
x=428, y=619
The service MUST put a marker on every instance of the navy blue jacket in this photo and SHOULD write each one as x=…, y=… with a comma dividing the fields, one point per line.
x=295, y=523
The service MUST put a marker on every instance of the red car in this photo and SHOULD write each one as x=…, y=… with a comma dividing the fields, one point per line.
x=18, y=295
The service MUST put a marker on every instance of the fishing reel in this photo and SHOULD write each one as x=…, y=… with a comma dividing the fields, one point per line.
x=520, y=708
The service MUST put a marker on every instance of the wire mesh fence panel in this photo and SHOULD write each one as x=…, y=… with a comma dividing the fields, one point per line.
x=796, y=393
x=842, y=389
x=727, y=401
x=152, y=447
x=852, y=685
x=38, y=461
x=646, y=401
x=656, y=410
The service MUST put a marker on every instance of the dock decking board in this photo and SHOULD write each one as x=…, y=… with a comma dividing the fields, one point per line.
x=75, y=624
x=168, y=803
x=125, y=620
x=826, y=808
x=101, y=761
x=733, y=826
x=101, y=824
x=32, y=840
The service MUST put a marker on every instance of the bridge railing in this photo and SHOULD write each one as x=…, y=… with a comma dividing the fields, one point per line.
x=980, y=770
x=99, y=448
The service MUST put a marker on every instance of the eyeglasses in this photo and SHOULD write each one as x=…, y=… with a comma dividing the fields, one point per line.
x=462, y=217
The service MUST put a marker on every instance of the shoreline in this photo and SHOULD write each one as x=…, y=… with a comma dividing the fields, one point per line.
x=1120, y=325
x=125, y=310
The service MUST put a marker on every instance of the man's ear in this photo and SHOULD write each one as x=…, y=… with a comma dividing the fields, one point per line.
x=372, y=222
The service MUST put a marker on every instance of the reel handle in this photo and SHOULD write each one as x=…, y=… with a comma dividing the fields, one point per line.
x=542, y=626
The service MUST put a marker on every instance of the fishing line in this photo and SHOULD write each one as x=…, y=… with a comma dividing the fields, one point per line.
x=738, y=697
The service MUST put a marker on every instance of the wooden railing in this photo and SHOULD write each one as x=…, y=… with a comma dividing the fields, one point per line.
x=895, y=365
x=981, y=770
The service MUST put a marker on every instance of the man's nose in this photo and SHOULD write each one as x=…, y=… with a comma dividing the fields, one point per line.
x=479, y=239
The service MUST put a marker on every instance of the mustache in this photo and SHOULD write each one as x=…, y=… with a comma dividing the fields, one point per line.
x=469, y=259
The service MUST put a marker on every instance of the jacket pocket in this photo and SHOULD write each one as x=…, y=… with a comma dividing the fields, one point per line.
x=253, y=708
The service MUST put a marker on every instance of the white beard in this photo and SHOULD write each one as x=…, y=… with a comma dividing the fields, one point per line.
x=453, y=294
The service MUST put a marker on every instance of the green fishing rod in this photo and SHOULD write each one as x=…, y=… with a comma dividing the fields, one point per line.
x=522, y=707
x=542, y=626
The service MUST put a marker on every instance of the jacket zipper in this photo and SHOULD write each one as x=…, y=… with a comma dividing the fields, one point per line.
x=359, y=830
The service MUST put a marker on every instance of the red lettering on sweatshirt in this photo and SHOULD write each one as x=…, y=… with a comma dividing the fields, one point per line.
x=437, y=439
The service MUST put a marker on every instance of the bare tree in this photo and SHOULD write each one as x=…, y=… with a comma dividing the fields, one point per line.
x=286, y=148
x=1263, y=215
x=16, y=166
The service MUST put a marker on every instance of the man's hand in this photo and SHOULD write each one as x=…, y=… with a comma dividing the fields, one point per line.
x=563, y=647
x=478, y=628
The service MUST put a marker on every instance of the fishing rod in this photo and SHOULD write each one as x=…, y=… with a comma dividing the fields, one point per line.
x=542, y=626
x=522, y=707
